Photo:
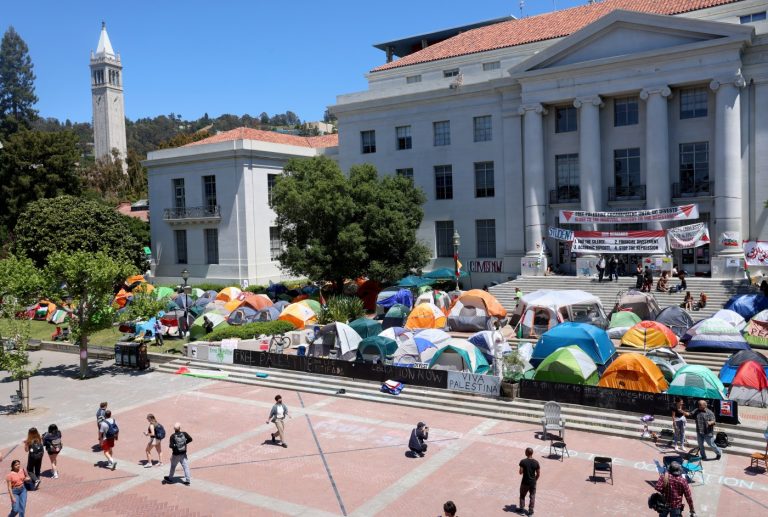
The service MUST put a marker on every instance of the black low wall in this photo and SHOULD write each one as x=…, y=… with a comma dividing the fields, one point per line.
x=368, y=372
x=657, y=404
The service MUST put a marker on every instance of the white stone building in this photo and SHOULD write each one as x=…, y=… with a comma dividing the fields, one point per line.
x=209, y=205
x=621, y=104
x=107, y=98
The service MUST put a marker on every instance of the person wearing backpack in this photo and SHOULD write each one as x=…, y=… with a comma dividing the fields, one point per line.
x=156, y=433
x=673, y=486
x=52, y=443
x=33, y=445
x=99, y=419
x=178, y=443
x=108, y=434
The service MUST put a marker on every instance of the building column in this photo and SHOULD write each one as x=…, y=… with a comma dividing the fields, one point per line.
x=590, y=164
x=658, y=184
x=728, y=166
x=535, y=201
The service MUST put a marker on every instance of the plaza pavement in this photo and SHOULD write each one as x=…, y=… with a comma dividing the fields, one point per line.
x=345, y=457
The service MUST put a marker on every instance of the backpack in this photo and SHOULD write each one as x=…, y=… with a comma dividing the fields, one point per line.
x=159, y=431
x=36, y=450
x=54, y=444
x=721, y=439
x=112, y=429
x=179, y=444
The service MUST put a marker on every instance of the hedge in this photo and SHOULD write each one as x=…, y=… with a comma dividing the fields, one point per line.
x=250, y=330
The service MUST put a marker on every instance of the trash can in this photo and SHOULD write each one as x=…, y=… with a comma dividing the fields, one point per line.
x=131, y=355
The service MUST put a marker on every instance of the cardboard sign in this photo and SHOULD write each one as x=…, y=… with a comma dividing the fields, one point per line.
x=675, y=213
x=486, y=385
x=639, y=242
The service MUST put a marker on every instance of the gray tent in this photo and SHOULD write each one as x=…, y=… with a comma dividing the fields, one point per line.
x=642, y=304
x=676, y=318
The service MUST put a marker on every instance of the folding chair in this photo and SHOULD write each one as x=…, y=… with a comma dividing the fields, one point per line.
x=692, y=466
x=558, y=445
x=604, y=465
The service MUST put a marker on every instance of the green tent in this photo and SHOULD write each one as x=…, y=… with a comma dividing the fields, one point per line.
x=163, y=292
x=695, y=380
x=197, y=293
x=196, y=331
x=570, y=365
x=624, y=319
x=376, y=348
x=312, y=304
x=366, y=327
x=395, y=316
x=444, y=274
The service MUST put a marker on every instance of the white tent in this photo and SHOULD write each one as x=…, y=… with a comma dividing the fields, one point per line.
x=541, y=310
x=336, y=336
x=732, y=317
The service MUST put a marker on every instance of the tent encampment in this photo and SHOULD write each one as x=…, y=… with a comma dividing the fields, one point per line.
x=459, y=355
x=668, y=361
x=756, y=331
x=437, y=297
x=621, y=322
x=395, y=316
x=335, y=339
x=242, y=315
x=750, y=385
x=426, y=316
x=676, y=318
x=592, y=340
x=491, y=343
x=747, y=305
x=642, y=304
x=633, y=372
x=715, y=335
x=695, y=380
x=391, y=296
x=376, y=349
x=366, y=327
x=476, y=310
x=649, y=334
x=731, y=366
x=570, y=365
x=541, y=310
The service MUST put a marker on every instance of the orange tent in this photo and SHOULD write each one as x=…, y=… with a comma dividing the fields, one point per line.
x=492, y=305
x=298, y=314
x=257, y=302
x=228, y=293
x=649, y=334
x=426, y=316
x=634, y=372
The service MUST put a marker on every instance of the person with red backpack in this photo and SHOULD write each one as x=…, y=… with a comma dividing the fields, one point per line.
x=108, y=434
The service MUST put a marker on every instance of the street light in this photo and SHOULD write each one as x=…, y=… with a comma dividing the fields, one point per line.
x=185, y=277
x=456, y=244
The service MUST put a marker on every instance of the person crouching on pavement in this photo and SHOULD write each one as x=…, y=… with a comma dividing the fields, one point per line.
x=418, y=436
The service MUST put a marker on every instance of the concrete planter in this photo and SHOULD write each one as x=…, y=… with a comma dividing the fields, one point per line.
x=510, y=390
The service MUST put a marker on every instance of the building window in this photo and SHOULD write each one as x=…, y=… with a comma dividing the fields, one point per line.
x=482, y=128
x=754, y=17
x=565, y=119
x=484, y=179
x=411, y=79
x=209, y=191
x=212, y=245
x=405, y=173
x=179, y=196
x=493, y=65
x=442, y=132
x=368, y=141
x=626, y=171
x=567, y=177
x=443, y=182
x=403, y=135
x=693, y=103
x=485, y=230
x=181, y=246
x=453, y=72
x=694, y=168
x=625, y=111
x=271, y=180
x=275, y=246
x=444, y=238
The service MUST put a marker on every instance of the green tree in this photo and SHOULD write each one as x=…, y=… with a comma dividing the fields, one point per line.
x=69, y=224
x=89, y=279
x=20, y=280
x=36, y=165
x=333, y=227
x=143, y=306
x=17, y=84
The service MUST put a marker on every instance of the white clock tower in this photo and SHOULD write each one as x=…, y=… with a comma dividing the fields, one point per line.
x=108, y=106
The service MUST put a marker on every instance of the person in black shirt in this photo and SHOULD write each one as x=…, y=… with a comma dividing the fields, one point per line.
x=416, y=443
x=530, y=470
x=178, y=442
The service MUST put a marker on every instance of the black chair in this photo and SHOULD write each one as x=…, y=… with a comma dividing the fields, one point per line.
x=604, y=465
x=558, y=445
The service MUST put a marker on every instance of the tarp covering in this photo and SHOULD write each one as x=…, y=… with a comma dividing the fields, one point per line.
x=676, y=319
x=444, y=273
x=569, y=365
x=414, y=281
x=756, y=332
x=750, y=385
x=694, y=380
x=649, y=334
x=715, y=335
x=634, y=372
x=731, y=366
x=387, y=299
x=592, y=340
x=747, y=305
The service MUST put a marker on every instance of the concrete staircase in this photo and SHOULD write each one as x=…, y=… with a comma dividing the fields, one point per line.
x=745, y=440
x=718, y=291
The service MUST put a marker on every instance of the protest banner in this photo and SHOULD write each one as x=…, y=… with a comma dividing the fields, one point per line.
x=756, y=253
x=689, y=236
x=560, y=234
x=729, y=239
x=675, y=213
x=640, y=242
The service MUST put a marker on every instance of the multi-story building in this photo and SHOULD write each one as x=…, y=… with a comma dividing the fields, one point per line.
x=108, y=103
x=620, y=104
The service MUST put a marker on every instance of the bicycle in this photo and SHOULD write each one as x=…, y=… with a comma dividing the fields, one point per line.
x=278, y=343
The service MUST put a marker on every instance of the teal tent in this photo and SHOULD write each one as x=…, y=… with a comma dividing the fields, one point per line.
x=414, y=282
x=444, y=273
x=460, y=355
x=376, y=349
x=395, y=316
x=366, y=327
x=694, y=380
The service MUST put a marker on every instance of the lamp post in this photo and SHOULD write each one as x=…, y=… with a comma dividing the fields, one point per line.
x=185, y=277
x=456, y=244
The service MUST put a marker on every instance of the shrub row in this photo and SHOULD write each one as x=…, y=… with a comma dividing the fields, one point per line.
x=251, y=330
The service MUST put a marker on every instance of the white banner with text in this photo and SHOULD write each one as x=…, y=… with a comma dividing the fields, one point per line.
x=640, y=242
x=675, y=213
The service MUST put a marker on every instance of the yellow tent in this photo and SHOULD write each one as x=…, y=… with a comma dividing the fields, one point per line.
x=649, y=334
x=634, y=372
x=426, y=316
x=298, y=314
x=228, y=293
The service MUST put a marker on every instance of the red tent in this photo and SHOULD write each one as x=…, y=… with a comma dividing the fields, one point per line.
x=750, y=385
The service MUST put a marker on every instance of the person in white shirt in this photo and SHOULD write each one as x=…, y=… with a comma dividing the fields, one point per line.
x=278, y=414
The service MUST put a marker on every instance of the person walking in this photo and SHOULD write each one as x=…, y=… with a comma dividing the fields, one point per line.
x=158, y=331
x=156, y=433
x=33, y=446
x=449, y=509
x=277, y=415
x=17, y=490
x=100, y=418
x=53, y=445
x=418, y=436
x=178, y=443
x=647, y=280
x=531, y=471
x=679, y=421
x=613, y=269
x=673, y=486
x=600, y=268
x=108, y=435
x=705, y=429
x=639, y=277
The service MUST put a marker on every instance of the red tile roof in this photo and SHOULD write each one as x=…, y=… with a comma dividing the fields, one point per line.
x=246, y=133
x=542, y=27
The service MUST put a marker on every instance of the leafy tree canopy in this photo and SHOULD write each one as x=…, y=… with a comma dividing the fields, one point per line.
x=20, y=280
x=69, y=224
x=17, y=84
x=335, y=227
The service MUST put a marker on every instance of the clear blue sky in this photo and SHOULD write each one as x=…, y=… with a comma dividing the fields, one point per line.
x=192, y=57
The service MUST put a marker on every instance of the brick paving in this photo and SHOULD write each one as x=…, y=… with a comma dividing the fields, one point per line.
x=342, y=453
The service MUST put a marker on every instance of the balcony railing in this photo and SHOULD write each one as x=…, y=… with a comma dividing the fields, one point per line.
x=628, y=192
x=691, y=189
x=192, y=213
x=564, y=195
